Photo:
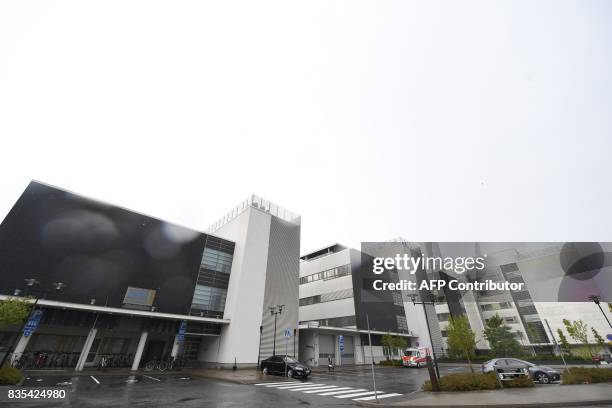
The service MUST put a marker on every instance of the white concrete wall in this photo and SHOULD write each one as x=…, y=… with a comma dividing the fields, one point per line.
x=245, y=295
x=326, y=310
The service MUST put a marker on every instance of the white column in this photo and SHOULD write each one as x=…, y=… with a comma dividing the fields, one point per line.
x=91, y=336
x=20, y=347
x=175, y=348
x=139, y=350
x=315, y=339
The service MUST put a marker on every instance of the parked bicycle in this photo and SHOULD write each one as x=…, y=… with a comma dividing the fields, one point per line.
x=161, y=365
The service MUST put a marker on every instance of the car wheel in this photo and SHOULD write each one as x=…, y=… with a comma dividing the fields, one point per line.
x=542, y=378
x=290, y=373
x=265, y=370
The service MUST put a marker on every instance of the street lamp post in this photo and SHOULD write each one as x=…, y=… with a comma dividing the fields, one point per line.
x=596, y=299
x=275, y=311
x=434, y=378
x=30, y=283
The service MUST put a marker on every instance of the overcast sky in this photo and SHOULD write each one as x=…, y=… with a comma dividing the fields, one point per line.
x=428, y=120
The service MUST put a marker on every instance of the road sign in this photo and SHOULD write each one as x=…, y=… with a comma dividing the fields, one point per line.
x=287, y=333
x=341, y=342
x=32, y=323
x=180, y=336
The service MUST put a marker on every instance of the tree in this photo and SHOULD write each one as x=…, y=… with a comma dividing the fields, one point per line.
x=399, y=342
x=500, y=338
x=387, y=342
x=600, y=340
x=461, y=339
x=13, y=312
x=563, y=343
x=578, y=331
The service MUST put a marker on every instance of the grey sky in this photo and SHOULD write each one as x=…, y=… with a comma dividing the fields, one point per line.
x=436, y=121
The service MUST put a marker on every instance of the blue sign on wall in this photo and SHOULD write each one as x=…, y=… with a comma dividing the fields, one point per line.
x=32, y=323
x=287, y=333
x=341, y=342
x=180, y=336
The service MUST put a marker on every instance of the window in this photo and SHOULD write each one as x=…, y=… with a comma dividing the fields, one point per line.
x=443, y=317
x=333, y=273
x=209, y=298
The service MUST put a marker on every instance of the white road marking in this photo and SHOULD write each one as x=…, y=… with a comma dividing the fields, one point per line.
x=95, y=379
x=379, y=397
x=318, y=387
x=153, y=378
x=285, y=387
x=359, y=394
x=343, y=392
x=279, y=383
x=331, y=393
x=322, y=389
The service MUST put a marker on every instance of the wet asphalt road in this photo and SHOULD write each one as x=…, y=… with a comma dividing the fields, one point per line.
x=177, y=390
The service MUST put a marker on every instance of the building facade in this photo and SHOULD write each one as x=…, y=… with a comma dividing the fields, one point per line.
x=116, y=286
x=335, y=311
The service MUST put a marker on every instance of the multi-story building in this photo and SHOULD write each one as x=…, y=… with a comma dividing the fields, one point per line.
x=557, y=281
x=133, y=288
x=335, y=311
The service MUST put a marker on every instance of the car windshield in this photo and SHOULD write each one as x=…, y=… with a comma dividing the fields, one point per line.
x=290, y=360
x=411, y=353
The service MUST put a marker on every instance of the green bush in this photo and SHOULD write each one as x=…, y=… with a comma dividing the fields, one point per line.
x=9, y=375
x=477, y=382
x=523, y=381
x=465, y=382
x=581, y=375
x=390, y=363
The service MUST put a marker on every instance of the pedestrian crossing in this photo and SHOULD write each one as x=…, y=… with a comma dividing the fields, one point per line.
x=328, y=390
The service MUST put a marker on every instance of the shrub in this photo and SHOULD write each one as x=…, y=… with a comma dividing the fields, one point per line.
x=465, y=382
x=581, y=375
x=523, y=381
x=477, y=382
x=390, y=363
x=9, y=375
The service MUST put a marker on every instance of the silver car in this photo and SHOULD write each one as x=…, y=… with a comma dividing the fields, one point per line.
x=541, y=374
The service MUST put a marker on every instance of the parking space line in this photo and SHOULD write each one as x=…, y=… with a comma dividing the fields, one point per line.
x=377, y=397
x=153, y=378
x=359, y=394
x=95, y=379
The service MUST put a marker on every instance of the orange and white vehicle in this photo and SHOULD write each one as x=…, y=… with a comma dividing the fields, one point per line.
x=415, y=357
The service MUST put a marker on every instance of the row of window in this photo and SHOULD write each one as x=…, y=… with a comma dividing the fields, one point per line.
x=496, y=306
x=507, y=319
x=326, y=275
x=209, y=298
x=343, y=321
x=327, y=297
x=216, y=260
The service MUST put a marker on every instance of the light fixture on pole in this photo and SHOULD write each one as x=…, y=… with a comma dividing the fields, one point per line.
x=434, y=378
x=275, y=311
x=597, y=300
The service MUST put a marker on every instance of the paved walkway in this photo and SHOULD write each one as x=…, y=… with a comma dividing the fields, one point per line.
x=539, y=396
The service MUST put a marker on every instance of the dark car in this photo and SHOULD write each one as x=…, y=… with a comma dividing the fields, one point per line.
x=284, y=364
x=541, y=374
